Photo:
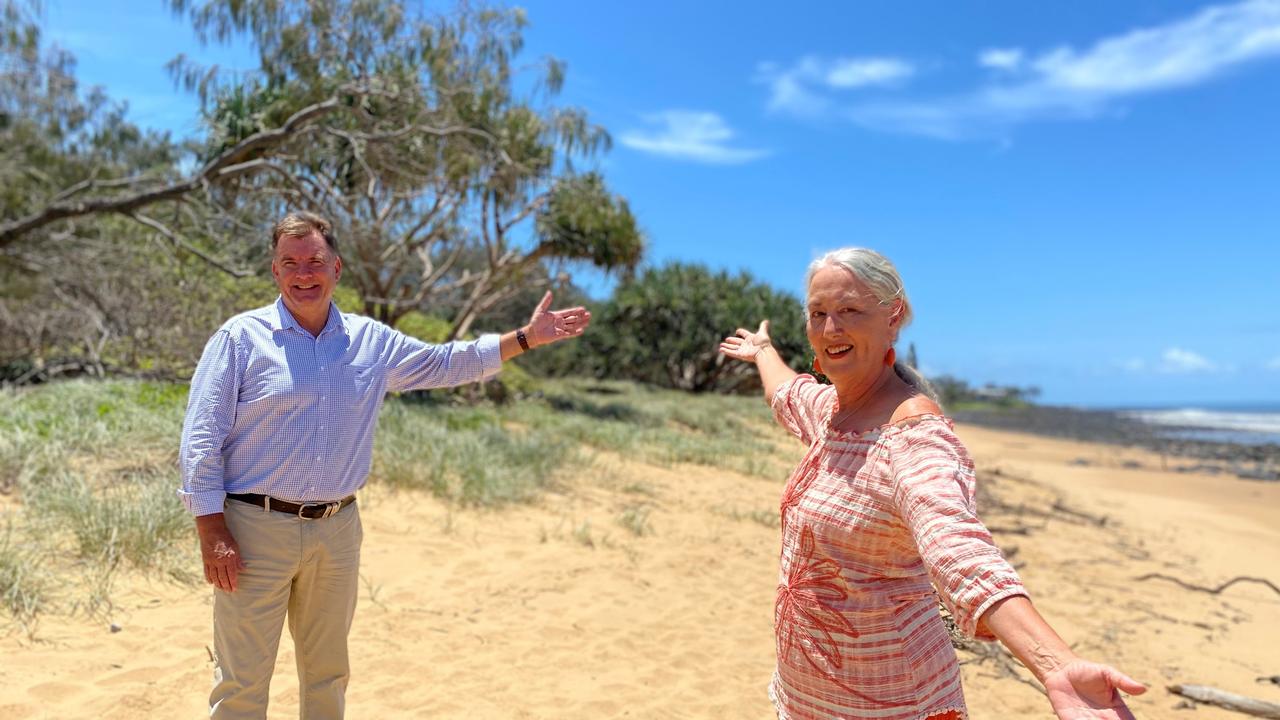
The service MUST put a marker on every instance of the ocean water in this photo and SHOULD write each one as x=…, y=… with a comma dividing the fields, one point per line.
x=1253, y=425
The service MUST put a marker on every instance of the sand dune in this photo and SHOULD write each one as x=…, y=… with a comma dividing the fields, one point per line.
x=557, y=610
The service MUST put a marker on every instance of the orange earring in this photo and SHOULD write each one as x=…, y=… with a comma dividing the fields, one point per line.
x=890, y=357
x=817, y=368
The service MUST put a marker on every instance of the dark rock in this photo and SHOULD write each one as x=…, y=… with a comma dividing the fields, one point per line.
x=1261, y=462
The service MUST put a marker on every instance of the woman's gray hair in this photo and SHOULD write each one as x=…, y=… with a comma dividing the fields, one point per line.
x=882, y=277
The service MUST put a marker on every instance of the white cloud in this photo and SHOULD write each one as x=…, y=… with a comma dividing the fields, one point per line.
x=799, y=89
x=862, y=72
x=1133, y=364
x=1001, y=58
x=1177, y=360
x=686, y=135
x=789, y=89
x=1070, y=83
x=1178, y=54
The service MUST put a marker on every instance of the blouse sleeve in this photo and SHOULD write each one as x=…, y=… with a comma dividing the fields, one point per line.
x=933, y=482
x=801, y=405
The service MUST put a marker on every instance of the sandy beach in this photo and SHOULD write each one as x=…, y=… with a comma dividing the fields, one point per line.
x=559, y=610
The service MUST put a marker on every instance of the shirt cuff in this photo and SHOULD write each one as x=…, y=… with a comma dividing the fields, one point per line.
x=785, y=388
x=205, y=502
x=489, y=348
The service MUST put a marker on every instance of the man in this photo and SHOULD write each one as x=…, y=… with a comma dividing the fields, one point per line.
x=277, y=439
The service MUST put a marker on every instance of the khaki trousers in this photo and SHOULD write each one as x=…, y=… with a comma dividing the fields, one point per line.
x=307, y=570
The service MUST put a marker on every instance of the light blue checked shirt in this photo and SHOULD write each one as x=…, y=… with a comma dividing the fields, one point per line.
x=276, y=411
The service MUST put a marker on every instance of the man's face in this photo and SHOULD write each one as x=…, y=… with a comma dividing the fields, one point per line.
x=306, y=271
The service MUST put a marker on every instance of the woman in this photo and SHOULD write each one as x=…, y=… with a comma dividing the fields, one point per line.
x=878, y=514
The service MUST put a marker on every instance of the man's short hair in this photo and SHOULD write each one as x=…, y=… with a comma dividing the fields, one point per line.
x=302, y=224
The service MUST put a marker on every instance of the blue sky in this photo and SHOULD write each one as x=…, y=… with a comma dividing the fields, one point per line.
x=1082, y=196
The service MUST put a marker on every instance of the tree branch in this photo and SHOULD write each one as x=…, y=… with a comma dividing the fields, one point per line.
x=184, y=245
x=230, y=163
x=428, y=130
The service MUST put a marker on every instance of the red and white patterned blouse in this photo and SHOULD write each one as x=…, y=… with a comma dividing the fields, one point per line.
x=872, y=522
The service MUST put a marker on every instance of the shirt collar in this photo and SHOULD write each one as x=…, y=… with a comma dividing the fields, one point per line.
x=286, y=321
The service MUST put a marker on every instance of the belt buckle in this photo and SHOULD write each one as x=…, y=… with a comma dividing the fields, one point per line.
x=330, y=509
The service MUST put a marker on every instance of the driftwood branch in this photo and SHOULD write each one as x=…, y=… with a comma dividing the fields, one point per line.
x=1211, y=591
x=1230, y=701
x=1061, y=507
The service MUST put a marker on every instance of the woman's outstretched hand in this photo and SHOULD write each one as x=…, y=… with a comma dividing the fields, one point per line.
x=1083, y=690
x=745, y=345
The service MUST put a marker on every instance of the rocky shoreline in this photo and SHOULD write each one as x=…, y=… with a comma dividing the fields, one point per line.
x=1247, y=461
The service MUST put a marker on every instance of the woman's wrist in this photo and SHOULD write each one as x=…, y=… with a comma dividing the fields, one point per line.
x=1017, y=624
x=1043, y=660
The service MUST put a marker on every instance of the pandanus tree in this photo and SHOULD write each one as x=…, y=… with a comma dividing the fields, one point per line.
x=665, y=325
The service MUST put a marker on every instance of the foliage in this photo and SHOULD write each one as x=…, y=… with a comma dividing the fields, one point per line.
x=427, y=328
x=955, y=393
x=53, y=136
x=79, y=296
x=434, y=172
x=143, y=311
x=583, y=221
x=665, y=326
x=451, y=191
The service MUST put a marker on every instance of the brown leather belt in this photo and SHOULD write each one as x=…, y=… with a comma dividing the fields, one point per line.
x=307, y=511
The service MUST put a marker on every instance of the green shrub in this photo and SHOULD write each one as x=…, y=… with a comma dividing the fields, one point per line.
x=427, y=328
x=665, y=327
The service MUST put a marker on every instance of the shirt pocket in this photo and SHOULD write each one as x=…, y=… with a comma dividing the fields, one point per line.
x=360, y=386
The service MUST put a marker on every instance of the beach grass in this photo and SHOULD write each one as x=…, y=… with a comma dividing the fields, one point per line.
x=635, y=518
x=88, y=473
x=88, y=469
x=25, y=580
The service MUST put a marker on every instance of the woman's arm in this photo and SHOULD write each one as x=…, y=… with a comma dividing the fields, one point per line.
x=756, y=347
x=1077, y=689
x=933, y=481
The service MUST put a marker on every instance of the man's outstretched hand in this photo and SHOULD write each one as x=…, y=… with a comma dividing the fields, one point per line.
x=548, y=326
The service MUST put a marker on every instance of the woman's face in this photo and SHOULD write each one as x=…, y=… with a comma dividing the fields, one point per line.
x=849, y=329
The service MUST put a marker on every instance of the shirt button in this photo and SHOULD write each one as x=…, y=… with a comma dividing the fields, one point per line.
x=322, y=397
